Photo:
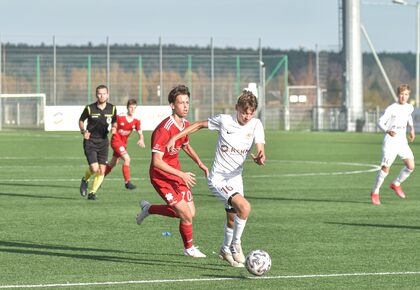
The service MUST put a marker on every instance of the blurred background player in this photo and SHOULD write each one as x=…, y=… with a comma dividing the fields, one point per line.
x=126, y=124
x=394, y=123
x=101, y=118
x=172, y=184
x=237, y=133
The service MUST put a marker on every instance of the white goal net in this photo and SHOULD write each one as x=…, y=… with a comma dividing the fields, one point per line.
x=22, y=111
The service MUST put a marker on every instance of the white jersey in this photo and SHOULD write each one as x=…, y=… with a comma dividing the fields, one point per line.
x=395, y=118
x=234, y=142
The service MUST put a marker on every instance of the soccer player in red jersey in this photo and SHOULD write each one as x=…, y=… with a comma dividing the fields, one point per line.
x=172, y=184
x=126, y=124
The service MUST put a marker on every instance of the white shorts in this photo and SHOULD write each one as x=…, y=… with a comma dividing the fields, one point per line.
x=225, y=187
x=391, y=150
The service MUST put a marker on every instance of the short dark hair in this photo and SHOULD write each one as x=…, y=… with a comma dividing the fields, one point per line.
x=247, y=100
x=101, y=87
x=176, y=91
x=131, y=102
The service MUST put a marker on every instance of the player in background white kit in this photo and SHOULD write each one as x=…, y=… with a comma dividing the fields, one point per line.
x=237, y=133
x=394, y=123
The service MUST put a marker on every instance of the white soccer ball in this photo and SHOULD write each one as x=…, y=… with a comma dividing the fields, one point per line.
x=258, y=262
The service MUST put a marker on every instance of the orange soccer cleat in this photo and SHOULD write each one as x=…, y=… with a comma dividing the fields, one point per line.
x=398, y=190
x=375, y=198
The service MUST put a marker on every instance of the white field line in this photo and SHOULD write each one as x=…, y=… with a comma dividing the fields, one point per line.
x=205, y=279
x=371, y=168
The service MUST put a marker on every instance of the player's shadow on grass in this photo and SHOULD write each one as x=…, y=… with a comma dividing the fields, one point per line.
x=49, y=250
x=18, y=244
x=302, y=199
x=32, y=195
x=376, y=225
x=36, y=185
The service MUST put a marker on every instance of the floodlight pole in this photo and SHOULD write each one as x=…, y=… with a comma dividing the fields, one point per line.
x=262, y=93
x=417, y=53
x=417, y=5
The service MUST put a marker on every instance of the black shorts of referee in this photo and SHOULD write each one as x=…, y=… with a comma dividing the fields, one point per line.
x=96, y=150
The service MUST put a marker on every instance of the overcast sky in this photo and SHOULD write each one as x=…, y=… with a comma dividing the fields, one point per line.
x=281, y=24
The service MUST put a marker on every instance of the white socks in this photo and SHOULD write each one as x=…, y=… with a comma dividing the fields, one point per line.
x=238, y=230
x=404, y=174
x=379, y=180
x=228, y=238
x=233, y=235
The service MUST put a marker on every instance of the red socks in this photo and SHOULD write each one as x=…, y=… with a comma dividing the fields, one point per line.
x=186, y=231
x=126, y=172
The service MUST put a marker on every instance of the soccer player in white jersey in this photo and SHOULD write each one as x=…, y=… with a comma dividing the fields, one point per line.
x=394, y=123
x=237, y=133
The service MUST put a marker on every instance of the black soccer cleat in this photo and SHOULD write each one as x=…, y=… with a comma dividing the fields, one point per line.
x=83, y=187
x=129, y=185
x=91, y=196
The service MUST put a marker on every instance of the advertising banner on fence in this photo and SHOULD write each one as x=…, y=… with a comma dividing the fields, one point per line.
x=66, y=118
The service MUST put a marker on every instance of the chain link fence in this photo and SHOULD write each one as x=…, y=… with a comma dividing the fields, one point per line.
x=68, y=75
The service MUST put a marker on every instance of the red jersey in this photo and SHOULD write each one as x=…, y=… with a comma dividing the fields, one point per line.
x=125, y=128
x=160, y=137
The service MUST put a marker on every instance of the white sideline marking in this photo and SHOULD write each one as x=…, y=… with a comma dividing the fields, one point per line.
x=207, y=279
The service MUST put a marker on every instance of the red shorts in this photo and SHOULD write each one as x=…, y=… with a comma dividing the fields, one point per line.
x=119, y=149
x=172, y=192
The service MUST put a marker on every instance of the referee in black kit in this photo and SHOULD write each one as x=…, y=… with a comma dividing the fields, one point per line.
x=101, y=118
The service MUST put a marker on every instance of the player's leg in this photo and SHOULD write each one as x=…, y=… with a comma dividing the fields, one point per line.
x=185, y=209
x=226, y=190
x=408, y=158
x=406, y=171
x=224, y=252
x=102, y=153
x=92, y=159
x=229, y=226
x=179, y=204
x=243, y=209
x=126, y=171
x=164, y=189
x=216, y=184
x=185, y=225
x=186, y=230
x=112, y=163
x=380, y=178
x=388, y=156
x=97, y=182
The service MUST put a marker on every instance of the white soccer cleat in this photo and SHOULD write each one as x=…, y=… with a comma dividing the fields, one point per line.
x=227, y=256
x=144, y=205
x=237, y=253
x=194, y=252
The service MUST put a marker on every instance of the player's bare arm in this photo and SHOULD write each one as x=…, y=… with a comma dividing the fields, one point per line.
x=189, y=130
x=140, y=142
x=194, y=156
x=114, y=128
x=412, y=134
x=85, y=133
x=391, y=133
x=260, y=157
x=187, y=177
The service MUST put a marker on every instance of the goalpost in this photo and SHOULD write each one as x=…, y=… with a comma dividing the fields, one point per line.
x=22, y=111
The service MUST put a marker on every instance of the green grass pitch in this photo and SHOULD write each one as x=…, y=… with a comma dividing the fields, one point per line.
x=311, y=212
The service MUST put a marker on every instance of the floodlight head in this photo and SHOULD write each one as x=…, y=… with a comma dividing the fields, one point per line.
x=400, y=2
x=261, y=63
